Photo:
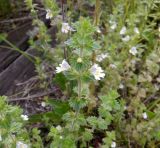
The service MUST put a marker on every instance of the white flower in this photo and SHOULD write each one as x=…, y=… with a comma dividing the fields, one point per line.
x=43, y=104
x=113, y=66
x=59, y=128
x=49, y=14
x=63, y=67
x=114, y=26
x=158, y=79
x=136, y=30
x=98, y=30
x=0, y=138
x=66, y=28
x=110, y=21
x=157, y=87
x=133, y=50
x=20, y=144
x=24, y=117
x=113, y=145
x=60, y=137
x=126, y=38
x=101, y=57
x=121, y=86
x=123, y=30
x=125, y=107
x=144, y=115
x=97, y=72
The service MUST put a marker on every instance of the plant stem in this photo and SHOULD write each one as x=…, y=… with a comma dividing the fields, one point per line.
x=18, y=50
x=97, y=12
x=79, y=87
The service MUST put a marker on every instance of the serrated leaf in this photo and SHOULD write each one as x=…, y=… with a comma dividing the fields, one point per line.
x=87, y=135
x=93, y=121
x=77, y=104
x=102, y=124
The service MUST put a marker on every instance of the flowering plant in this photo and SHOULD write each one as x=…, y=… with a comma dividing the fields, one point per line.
x=107, y=65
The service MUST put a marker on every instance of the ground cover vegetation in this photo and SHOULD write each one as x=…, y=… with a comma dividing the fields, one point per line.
x=107, y=63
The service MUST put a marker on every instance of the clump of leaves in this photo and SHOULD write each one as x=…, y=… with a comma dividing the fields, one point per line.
x=11, y=124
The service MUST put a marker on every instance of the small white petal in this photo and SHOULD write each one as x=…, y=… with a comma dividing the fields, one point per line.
x=136, y=30
x=24, y=117
x=43, y=104
x=49, y=14
x=97, y=72
x=158, y=79
x=133, y=50
x=113, y=145
x=126, y=38
x=0, y=138
x=101, y=57
x=66, y=28
x=63, y=67
x=61, y=137
x=114, y=26
x=145, y=116
x=59, y=128
x=110, y=21
x=98, y=30
x=113, y=66
x=125, y=107
x=20, y=144
x=123, y=30
x=121, y=86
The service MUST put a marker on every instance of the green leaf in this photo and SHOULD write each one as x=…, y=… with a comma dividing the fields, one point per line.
x=87, y=135
x=60, y=79
x=77, y=104
x=93, y=121
x=59, y=107
x=48, y=116
x=152, y=67
x=2, y=36
x=109, y=101
x=102, y=124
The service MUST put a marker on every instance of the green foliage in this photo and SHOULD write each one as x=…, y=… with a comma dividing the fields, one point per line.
x=11, y=125
x=36, y=138
x=52, y=5
x=121, y=109
x=60, y=107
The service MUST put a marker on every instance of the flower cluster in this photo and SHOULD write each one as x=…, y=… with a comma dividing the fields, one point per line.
x=63, y=67
x=24, y=117
x=66, y=28
x=21, y=145
x=133, y=51
x=49, y=14
x=113, y=25
x=101, y=57
x=97, y=72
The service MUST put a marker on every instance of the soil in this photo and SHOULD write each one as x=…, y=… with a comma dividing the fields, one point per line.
x=18, y=79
